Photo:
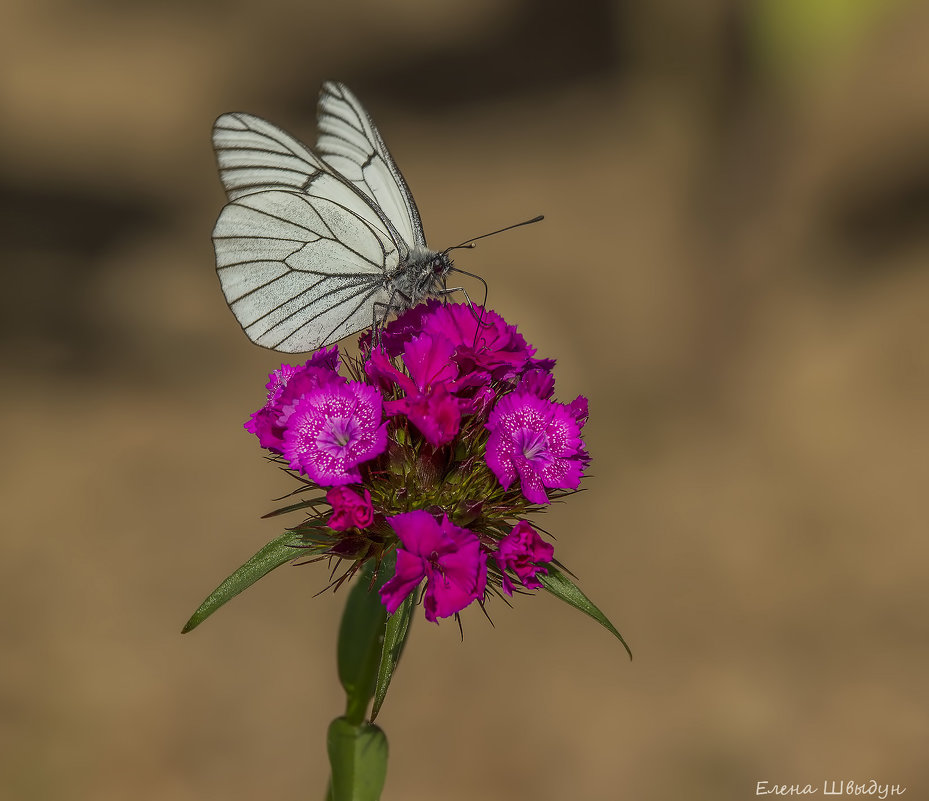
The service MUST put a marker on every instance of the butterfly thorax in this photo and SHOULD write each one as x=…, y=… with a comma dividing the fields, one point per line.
x=420, y=276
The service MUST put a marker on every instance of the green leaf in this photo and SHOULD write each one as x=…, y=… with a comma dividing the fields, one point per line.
x=562, y=587
x=361, y=635
x=274, y=554
x=358, y=758
x=395, y=634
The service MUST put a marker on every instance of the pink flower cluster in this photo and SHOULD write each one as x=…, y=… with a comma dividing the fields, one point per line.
x=446, y=415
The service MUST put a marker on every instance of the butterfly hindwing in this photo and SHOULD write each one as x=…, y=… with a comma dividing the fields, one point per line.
x=300, y=271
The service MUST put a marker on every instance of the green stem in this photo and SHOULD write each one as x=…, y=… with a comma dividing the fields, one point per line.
x=358, y=749
x=361, y=637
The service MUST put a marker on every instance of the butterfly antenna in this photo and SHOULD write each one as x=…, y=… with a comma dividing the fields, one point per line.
x=469, y=243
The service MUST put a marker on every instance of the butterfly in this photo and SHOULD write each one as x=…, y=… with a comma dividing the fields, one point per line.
x=317, y=244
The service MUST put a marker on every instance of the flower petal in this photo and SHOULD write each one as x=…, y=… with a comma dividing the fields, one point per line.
x=499, y=458
x=436, y=415
x=418, y=532
x=410, y=571
x=538, y=439
x=429, y=360
x=521, y=551
x=460, y=579
x=333, y=429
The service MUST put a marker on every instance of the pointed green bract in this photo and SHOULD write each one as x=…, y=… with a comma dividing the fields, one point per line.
x=361, y=635
x=310, y=503
x=288, y=546
x=395, y=634
x=562, y=587
x=358, y=758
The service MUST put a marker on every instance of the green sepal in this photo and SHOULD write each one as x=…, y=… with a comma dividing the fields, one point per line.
x=562, y=587
x=361, y=635
x=279, y=551
x=395, y=634
x=358, y=759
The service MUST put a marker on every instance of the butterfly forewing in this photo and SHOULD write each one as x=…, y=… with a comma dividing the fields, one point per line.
x=253, y=156
x=350, y=143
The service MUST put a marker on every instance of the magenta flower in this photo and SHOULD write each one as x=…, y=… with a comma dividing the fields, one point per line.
x=426, y=358
x=521, y=551
x=428, y=402
x=537, y=440
x=334, y=428
x=579, y=408
x=538, y=382
x=484, y=341
x=448, y=557
x=285, y=386
x=349, y=509
x=435, y=413
x=483, y=409
x=400, y=330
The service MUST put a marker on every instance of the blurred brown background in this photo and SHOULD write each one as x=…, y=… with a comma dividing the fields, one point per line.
x=732, y=268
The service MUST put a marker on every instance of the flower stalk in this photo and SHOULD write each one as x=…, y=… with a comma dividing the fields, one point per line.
x=357, y=748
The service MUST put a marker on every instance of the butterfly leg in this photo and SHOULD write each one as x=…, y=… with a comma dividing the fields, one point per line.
x=461, y=289
x=479, y=317
x=397, y=302
x=451, y=289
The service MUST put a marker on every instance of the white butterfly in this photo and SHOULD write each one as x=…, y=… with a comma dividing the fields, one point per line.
x=315, y=245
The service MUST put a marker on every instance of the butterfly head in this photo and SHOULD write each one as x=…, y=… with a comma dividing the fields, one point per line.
x=429, y=275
